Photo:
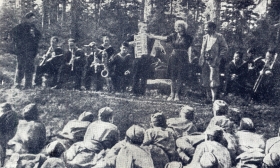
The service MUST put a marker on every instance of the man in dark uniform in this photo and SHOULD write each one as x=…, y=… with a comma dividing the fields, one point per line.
x=107, y=46
x=73, y=67
x=50, y=64
x=96, y=62
x=141, y=69
x=26, y=40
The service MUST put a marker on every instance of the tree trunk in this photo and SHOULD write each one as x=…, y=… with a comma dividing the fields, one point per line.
x=74, y=22
x=45, y=13
x=63, y=19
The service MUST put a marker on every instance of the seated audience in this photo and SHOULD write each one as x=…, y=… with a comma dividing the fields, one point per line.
x=100, y=135
x=247, y=139
x=212, y=145
x=132, y=154
x=184, y=124
x=272, y=152
x=271, y=160
x=220, y=110
x=251, y=146
x=160, y=136
x=75, y=130
x=8, y=128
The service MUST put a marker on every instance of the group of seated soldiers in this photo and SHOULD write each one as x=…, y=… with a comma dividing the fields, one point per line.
x=252, y=77
x=94, y=63
x=168, y=143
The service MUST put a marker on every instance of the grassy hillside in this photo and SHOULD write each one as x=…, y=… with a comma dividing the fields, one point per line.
x=57, y=107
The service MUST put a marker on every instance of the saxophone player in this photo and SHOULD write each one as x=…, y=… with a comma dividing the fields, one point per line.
x=96, y=62
x=73, y=67
x=50, y=64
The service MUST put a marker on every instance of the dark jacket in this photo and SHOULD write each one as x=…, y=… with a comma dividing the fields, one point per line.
x=25, y=37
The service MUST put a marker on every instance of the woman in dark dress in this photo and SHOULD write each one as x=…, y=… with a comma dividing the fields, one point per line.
x=178, y=62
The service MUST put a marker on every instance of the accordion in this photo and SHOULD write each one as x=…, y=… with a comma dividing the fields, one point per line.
x=141, y=46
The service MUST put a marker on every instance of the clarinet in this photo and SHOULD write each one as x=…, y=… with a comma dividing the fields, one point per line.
x=72, y=60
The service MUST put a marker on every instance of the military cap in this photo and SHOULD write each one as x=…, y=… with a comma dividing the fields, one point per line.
x=105, y=112
x=30, y=112
x=29, y=15
x=246, y=124
x=135, y=133
x=55, y=149
x=220, y=107
x=208, y=160
x=86, y=116
x=272, y=159
x=158, y=119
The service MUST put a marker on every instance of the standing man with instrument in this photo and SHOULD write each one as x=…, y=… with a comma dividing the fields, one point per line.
x=96, y=64
x=50, y=64
x=26, y=41
x=72, y=67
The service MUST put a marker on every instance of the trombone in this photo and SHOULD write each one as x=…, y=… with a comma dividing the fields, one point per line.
x=255, y=88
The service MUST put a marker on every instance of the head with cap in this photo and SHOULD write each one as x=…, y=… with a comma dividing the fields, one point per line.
x=174, y=164
x=4, y=107
x=215, y=133
x=158, y=120
x=246, y=124
x=209, y=160
x=272, y=160
x=30, y=112
x=30, y=17
x=55, y=149
x=187, y=112
x=86, y=116
x=124, y=48
x=54, y=41
x=220, y=107
x=135, y=134
x=8, y=124
x=93, y=46
x=71, y=43
x=105, y=114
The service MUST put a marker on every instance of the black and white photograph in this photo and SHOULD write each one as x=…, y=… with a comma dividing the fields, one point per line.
x=139, y=83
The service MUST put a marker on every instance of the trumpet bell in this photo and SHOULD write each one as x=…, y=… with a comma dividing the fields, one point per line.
x=104, y=73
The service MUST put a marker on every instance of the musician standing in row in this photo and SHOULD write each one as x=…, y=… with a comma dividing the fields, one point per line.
x=121, y=64
x=96, y=62
x=50, y=64
x=26, y=41
x=107, y=46
x=178, y=63
x=72, y=68
x=142, y=47
x=214, y=48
